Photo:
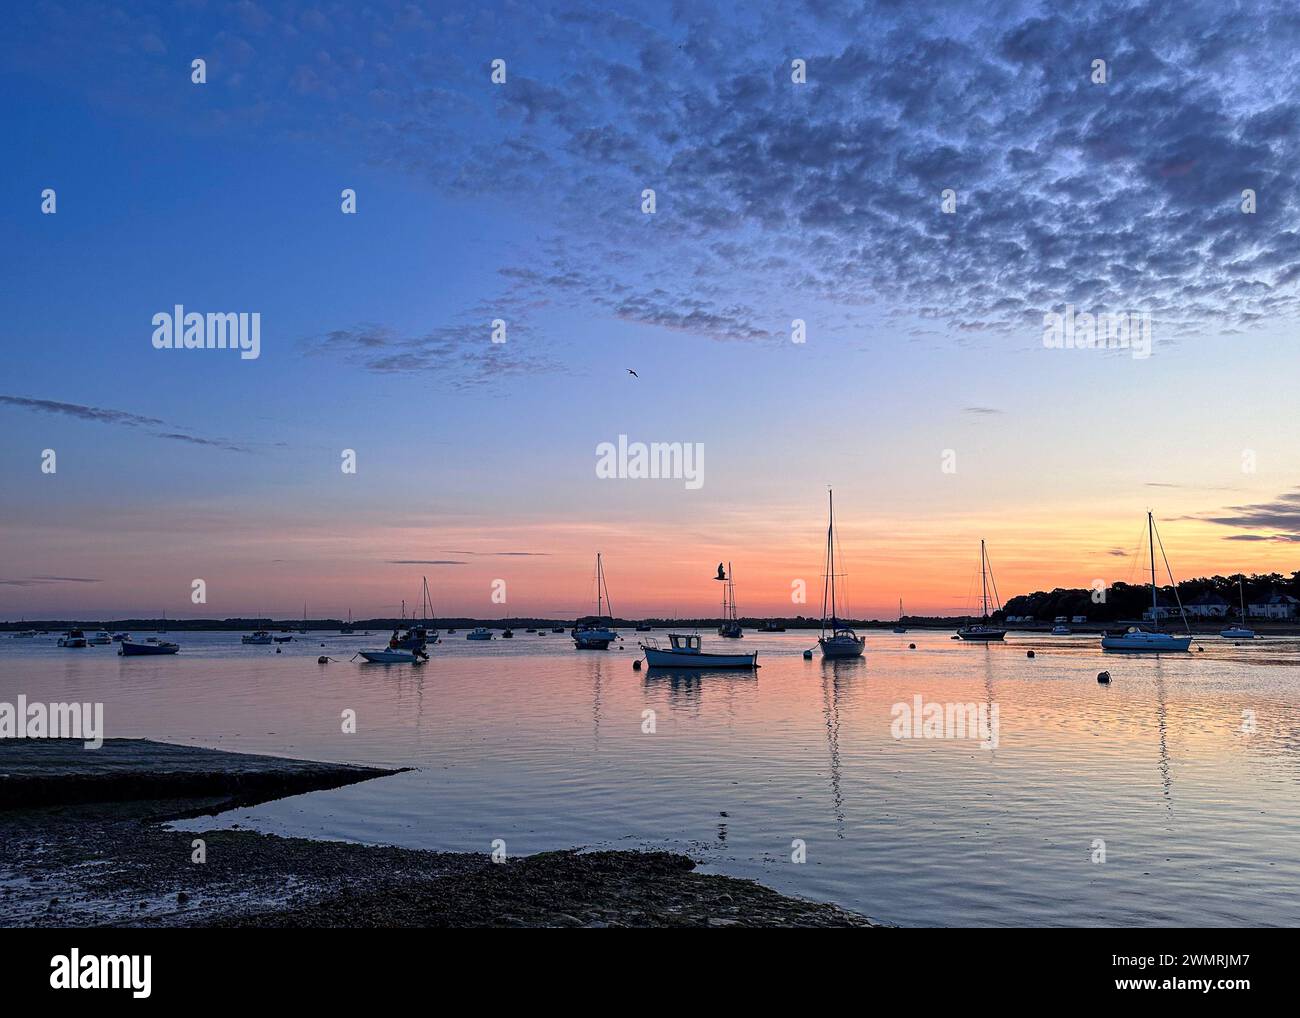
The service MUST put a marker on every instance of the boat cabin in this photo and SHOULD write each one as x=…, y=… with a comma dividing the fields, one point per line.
x=685, y=643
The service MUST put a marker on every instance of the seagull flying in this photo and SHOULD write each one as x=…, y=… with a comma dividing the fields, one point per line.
x=633, y=373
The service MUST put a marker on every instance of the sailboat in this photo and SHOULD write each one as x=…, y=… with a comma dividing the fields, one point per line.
x=1139, y=639
x=1242, y=631
x=348, y=629
x=842, y=642
x=417, y=635
x=983, y=631
x=730, y=627
x=596, y=632
x=900, y=628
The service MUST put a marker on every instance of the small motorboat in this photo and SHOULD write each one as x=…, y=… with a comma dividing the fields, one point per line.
x=771, y=627
x=684, y=651
x=120, y=637
x=261, y=638
x=644, y=627
x=1061, y=631
x=479, y=634
x=1237, y=633
x=283, y=639
x=74, y=638
x=101, y=638
x=557, y=629
x=26, y=634
x=387, y=656
x=129, y=649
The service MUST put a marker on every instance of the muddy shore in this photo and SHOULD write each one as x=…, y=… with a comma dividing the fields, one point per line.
x=97, y=853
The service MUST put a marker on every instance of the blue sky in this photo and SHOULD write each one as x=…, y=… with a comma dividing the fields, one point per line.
x=522, y=201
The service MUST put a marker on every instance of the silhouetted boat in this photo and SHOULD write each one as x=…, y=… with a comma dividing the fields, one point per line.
x=842, y=642
x=984, y=631
x=730, y=627
x=596, y=632
x=129, y=649
x=1242, y=631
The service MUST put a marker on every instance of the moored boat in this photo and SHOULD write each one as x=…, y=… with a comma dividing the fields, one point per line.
x=387, y=656
x=842, y=642
x=900, y=628
x=129, y=649
x=984, y=631
x=1241, y=631
x=596, y=632
x=730, y=627
x=684, y=651
x=101, y=638
x=479, y=634
x=260, y=638
x=1137, y=639
x=73, y=639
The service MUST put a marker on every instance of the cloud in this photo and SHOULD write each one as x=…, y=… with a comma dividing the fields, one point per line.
x=424, y=562
x=121, y=418
x=1281, y=517
x=982, y=411
x=37, y=581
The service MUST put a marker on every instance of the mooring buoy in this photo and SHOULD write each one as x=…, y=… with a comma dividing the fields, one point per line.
x=1103, y=678
x=1030, y=654
x=807, y=655
x=322, y=660
x=911, y=646
x=636, y=665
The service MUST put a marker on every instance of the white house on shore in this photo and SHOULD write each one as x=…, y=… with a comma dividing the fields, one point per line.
x=1208, y=606
x=1275, y=606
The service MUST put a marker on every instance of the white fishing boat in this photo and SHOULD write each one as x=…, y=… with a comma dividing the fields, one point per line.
x=101, y=638
x=26, y=634
x=479, y=634
x=730, y=627
x=260, y=638
x=1242, y=631
x=74, y=638
x=1151, y=641
x=387, y=656
x=984, y=631
x=900, y=628
x=683, y=651
x=596, y=632
x=842, y=642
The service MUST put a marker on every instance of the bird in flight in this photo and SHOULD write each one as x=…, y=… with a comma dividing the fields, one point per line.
x=633, y=373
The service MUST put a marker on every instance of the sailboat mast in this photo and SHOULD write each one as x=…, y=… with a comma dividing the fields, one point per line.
x=1155, y=611
x=984, y=583
x=830, y=551
x=599, y=584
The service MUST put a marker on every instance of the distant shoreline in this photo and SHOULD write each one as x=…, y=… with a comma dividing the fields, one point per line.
x=1201, y=627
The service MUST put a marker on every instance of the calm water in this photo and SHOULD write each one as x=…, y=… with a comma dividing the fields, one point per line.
x=539, y=745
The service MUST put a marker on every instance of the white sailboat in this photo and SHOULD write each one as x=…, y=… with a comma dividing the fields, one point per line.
x=842, y=642
x=730, y=627
x=984, y=631
x=900, y=628
x=1242, y=631
x=596, y=632
x=1153, y=640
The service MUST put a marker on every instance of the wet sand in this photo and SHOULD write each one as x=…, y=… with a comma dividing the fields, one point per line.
x=96, y=853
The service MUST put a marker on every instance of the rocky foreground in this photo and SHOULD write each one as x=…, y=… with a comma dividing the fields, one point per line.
x=112, y=862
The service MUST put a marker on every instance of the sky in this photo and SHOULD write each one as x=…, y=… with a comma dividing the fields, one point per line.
x=922, y=389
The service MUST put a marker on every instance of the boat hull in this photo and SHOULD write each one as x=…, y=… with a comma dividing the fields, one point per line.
x=670, y=659
x=1146, y=643
x=842, y=648
x=985, y=636
x=593, y=639
x=147, y=649
x=390, y=657
x=1238, y=634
